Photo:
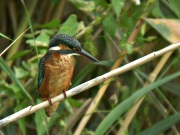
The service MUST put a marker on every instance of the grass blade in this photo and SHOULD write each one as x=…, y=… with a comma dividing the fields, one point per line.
x=12, y=76
x=161, y=126
x=125, y=105
x=78, y=79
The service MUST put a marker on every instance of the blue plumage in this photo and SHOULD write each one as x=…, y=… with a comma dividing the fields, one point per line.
x=41, y=71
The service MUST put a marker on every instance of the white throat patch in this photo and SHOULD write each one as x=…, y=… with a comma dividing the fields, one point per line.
x=55, y=48
x=72, y=54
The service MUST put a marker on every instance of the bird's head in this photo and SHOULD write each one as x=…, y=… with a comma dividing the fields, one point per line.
x=67, y=44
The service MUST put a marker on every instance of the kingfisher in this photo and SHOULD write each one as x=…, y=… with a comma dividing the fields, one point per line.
x=56, y=68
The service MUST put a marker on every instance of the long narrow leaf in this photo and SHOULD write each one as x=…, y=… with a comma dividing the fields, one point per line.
x=5, y=36
x=30, y=24
x=125, y=105
x=12, y=76
x=82, y=75
x=161, y=126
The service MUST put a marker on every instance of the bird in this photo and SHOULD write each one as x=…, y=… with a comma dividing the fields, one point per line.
x=56, y=68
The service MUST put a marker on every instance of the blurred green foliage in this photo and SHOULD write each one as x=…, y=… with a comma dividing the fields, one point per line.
x=103, y=27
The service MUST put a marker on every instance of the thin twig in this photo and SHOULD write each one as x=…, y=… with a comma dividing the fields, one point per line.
x=104, y=87
x=31, y=109
x=14, y=41
x=151, y=79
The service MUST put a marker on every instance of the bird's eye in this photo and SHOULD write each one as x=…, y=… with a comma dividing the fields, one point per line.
x=77, y=49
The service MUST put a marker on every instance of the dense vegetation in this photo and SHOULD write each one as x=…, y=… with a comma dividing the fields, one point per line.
x=116, y=32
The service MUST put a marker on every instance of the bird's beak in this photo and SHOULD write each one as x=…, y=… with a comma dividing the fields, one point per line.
x=83, y=52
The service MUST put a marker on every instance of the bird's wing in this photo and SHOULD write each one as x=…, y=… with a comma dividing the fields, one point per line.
x=41, y=71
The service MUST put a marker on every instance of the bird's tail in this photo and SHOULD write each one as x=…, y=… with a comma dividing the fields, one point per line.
x=51, y=109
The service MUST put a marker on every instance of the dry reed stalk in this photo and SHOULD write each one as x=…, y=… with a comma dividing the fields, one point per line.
x=102, y=90
x=151, y=79
x=32, y=109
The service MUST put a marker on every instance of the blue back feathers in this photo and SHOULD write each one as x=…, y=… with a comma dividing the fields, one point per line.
x=41, y=71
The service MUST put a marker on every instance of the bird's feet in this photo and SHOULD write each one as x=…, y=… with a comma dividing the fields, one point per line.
x=50, y=102
x=64, y=93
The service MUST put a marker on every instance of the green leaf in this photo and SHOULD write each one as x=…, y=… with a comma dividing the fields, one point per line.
x=10, y=89
x=103, y=3
x=127, y=46
x=106, y=63
x=175, y=6
x=5, y=36
x=70, y=26
x=74, y=102
x=6, y=89
x=156, y=11
x=168, y=28
x=25, y=65
x=22, y=125
x=42, y=125
x=20, y=72
x=161, y=126
x=52, y=24
x=40, y=120
x=41, y=40
x=166, y=9
x=86, y=6
x=172, y=87
x=68, y=107
x=117, y=5
x=81, y=26
x=20, y=54
x=21, y=122
x=125, y=105
x=109, y=24
x=78, y=79
x=12, y=76
x=150, y=38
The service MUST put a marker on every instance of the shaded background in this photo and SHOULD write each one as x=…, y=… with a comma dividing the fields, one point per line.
x=109, y=30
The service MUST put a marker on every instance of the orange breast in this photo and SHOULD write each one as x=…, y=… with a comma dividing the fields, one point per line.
x=57, y=78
